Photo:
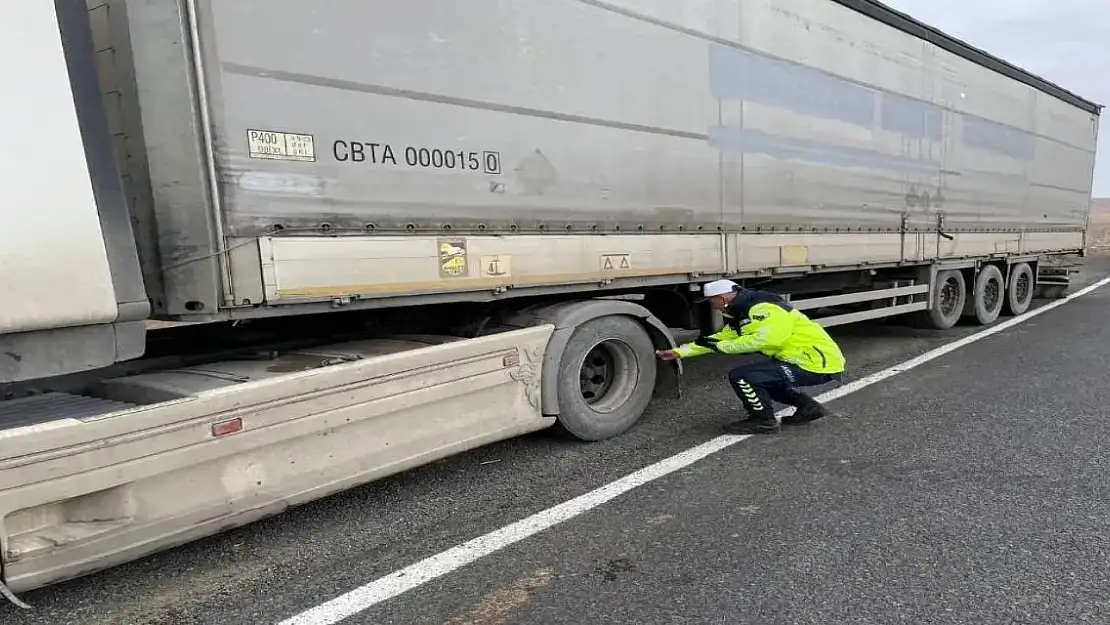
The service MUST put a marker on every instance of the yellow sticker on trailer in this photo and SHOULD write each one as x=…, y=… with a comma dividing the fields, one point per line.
x=453, y=258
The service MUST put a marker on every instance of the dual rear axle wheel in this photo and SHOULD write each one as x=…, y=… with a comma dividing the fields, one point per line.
x=990, y=296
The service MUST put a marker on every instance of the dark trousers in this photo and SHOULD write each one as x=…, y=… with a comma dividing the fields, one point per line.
x=762, y=380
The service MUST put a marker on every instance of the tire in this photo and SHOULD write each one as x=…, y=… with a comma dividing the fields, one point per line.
x=949, y=296
x=606, y=378
x=987, y=296
x=1020, y=289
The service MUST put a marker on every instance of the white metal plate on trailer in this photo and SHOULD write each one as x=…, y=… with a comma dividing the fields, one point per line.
x=280, y=146
x=316, y=268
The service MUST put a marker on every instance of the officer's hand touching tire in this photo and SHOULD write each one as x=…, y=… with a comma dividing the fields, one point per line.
x=666, y=354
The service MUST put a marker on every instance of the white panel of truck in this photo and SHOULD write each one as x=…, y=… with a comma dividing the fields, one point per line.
x=53, y=266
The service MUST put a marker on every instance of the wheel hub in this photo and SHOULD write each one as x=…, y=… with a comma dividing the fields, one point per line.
x=596, y=375
x=1022, y=287
x=992, y=294
x=949, y=296
x=607, y=377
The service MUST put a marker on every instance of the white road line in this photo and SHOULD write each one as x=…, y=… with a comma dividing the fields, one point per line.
x=441, y=564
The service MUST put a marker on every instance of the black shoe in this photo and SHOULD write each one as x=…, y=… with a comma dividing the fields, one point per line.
x=801, y=416
x=751, y=426
x=806, y=409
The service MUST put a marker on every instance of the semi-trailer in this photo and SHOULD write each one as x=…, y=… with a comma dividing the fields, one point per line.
x=254, y=257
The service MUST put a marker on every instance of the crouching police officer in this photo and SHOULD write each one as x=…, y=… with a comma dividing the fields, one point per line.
x=793, y=352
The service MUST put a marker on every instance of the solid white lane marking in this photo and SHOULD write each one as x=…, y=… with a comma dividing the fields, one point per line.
x=440, y=564
x=414, y=575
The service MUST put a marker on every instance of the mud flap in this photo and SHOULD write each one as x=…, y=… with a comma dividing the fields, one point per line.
x=668, y=381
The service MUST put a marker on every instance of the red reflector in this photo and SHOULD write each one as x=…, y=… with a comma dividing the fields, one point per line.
x=227, y=427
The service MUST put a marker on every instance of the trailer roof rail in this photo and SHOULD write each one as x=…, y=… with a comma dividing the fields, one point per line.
x=887, y=15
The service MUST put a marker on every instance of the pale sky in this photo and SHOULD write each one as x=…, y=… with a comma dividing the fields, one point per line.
x=1065, y=41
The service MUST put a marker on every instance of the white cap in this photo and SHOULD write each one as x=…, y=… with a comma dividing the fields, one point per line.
x=718, y=287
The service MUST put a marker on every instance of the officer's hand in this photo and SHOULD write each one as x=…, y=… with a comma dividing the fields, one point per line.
x=666, y=354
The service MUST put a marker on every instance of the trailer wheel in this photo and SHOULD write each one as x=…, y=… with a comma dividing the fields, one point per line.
x=949, y=295
x=987, y=295
x=606, y=378
x=1019, y=290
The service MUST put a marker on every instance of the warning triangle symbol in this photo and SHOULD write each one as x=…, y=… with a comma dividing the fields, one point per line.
x=624, y=262
x=608, y=263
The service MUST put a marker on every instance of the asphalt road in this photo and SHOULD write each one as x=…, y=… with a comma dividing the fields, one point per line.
x=970, y=489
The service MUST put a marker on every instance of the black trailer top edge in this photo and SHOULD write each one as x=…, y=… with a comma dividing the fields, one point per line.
x=892, y=17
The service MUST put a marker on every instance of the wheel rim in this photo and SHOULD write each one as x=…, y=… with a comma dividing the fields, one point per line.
x=1022, y=287
x=992, y=294
x=949, y=297
x=607, y=375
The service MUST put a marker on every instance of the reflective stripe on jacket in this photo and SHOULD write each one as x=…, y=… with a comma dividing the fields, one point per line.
x=775, y=329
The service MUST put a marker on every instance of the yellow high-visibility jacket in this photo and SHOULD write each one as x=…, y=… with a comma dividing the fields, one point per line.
x=763, y=323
